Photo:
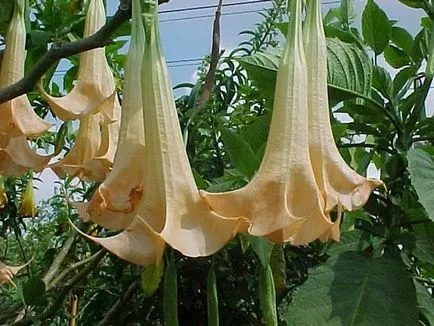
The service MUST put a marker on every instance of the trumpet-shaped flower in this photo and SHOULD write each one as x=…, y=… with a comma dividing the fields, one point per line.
x=282, y=199
x=17, y=158
x=117, y=197
x=91, y=156
x=337, y=182
x=28, y=205
x=3, y=196
x=17, y=116
x=7, y=273
x=95, y=86
x=171, y=209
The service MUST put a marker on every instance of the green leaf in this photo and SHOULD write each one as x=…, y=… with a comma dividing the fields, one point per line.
x=376, y=27
x=256, y=133
x=403, y=39
x=396, y=57
x=33, y=291
x=424, y=249
x=402, y=77
x=382, y=81
x=278, y=267
x=352, y=289
x=421, y=167
x=349, y=70
x=262, y=248
x=151, y=278
x=354, y=240
x=413, y=3
x=425, y=302
x=240, y=152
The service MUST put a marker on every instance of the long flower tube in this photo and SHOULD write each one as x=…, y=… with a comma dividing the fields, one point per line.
x=17, y=117
x=171, y=209
x=283, y=200
x=338, y=183
x=114, y=203
x=95, y=86
x=138, y=243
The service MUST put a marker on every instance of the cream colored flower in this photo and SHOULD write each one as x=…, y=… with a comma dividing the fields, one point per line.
x=283, y=200
x=17, y=117
x=117, y=197
x=95, y=86
x=171, y=209
x=337, y=182
x=91, y=156
x=17, y=158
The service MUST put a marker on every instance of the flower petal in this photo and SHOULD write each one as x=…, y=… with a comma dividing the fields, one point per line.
x=95, y=86
x=17, y=116
x=335, y=179
x=283, y=198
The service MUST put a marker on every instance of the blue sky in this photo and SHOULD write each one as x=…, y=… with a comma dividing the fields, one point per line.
x=187, y=39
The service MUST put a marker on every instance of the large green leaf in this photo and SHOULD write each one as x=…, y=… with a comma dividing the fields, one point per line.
x=425, y=302
x=240, y=152
x=349, y=70
x=354, y=240
x=421, y=167
x=376, y=27
x=352, y=289
x=424, y=249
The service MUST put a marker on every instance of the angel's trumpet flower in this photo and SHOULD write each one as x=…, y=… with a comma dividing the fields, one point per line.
x=7, y=273
x=95, y=86
x=171, y=209
x=28, y=205
x=17, y=117
x=17, y=158
x=337, y=182
x=283, y=196
x=79, y=161
x=121, y=191
x=3, y=196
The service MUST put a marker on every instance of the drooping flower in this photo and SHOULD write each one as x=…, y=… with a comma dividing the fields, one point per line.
x=7, y=273
x=28, y=205
x=17, y=158
x=17, y=117
x=3, y=196
x=171, y=209
x=95, y=86
x=337, y=182
x=283, y=200
x=115, y=201
x=91, y=156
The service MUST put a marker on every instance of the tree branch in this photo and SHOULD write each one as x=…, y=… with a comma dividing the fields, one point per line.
x=57, y=52
x=215, y=56
x=119, y=304
x=58, y=260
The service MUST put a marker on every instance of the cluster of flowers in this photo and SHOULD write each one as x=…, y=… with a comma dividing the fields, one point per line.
x=149, y=192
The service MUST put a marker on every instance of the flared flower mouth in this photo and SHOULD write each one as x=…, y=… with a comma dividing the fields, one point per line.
x=171, y=211
x=95, y=86
x=17, y=158
x=283, y=198
x=338, y=183
x=92, y=155
x=17, y=117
